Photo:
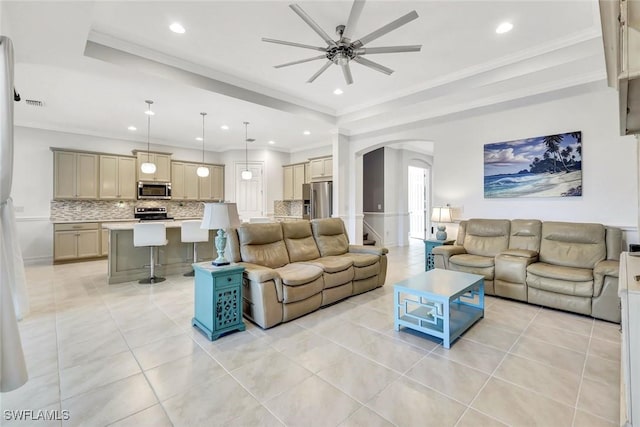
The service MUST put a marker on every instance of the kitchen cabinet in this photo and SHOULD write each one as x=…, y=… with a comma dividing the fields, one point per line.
x=75, y=175
x=162, y=162
x=287, y=189
x=307, y=173
x=321, y=168
x=293, y=178
x=104, y=241
x=117, y=177
x=76, y=241
x=212, y=186
x=184, y=185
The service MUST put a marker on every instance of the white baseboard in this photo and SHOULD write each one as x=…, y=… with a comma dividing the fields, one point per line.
x=39, y=260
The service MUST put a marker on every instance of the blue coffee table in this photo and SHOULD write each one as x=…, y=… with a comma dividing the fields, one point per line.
x=440, y=303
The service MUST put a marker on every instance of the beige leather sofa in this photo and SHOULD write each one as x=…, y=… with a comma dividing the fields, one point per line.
x=569, y=266
x=294, y=268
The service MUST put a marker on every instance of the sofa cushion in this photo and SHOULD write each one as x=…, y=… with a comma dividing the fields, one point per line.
x=330, y=236
x=573, y=244
x=296, y=274
x=559, y=286
x=467, y=260
x=525, y=234
x=571, y=274
x=362, y=260
x=333, y=264
x=263, y=244
x=299, y=241
x=486, y=237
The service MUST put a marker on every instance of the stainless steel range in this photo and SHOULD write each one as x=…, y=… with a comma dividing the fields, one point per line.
x=152, y=214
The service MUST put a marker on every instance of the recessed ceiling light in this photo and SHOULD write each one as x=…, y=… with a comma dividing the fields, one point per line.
x=272, y=142
x=505, y=27
x=338, y=91
x=198, y=138
x=176, y=27
x=132, y=128
x=150, y=113
x=224, y=127
x=306, y=132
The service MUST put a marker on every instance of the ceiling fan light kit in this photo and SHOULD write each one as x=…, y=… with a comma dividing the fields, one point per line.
x=342, y=51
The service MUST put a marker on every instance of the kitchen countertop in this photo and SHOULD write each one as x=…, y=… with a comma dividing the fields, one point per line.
x=129, y=225
x=131, y=220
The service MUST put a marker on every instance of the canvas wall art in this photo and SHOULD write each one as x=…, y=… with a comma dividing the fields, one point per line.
x=545, y=166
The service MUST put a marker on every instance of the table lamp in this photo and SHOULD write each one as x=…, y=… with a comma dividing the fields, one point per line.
x=440, y=215
x=220, y=216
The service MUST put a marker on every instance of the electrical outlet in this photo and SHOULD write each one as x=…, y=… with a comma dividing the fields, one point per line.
x=379, y=206
x=18, y=209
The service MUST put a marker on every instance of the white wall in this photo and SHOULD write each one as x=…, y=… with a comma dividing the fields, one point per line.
x=304, y=155
x=609, y=161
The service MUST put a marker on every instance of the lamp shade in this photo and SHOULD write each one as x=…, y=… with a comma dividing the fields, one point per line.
x=220, y=216
x=441, y=214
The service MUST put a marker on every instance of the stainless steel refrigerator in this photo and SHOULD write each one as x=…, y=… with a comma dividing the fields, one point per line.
x=317, y=200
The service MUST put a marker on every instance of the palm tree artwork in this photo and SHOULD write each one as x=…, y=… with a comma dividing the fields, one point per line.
x=546, y=166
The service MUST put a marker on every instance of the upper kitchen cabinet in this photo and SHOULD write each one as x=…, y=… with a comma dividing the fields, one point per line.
x=117, y=177
x=162, y=162
x=293, y=178
x=75, y=175
x=184, y=185
x=212, y=187
x=620, y=22
x=321, y=168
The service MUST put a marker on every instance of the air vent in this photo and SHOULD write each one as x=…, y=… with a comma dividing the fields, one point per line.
x=34, y=102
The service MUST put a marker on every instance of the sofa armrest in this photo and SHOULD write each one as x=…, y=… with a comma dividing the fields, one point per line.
x=601, y=270
x=441, y=254
x=373, y=250
x=524, y=253
x=260, y=274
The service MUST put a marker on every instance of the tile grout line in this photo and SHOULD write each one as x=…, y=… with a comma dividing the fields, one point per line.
x=508, y=352
x=584, y=368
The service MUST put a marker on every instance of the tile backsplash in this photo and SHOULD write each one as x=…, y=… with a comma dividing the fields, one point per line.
x=100, y=210
x=287, y=208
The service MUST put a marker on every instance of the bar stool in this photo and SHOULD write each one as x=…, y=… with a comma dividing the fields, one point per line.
x=152, y=235
x=190, y=232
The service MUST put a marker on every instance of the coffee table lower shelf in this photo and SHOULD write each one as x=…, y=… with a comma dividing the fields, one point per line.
x=461, y=318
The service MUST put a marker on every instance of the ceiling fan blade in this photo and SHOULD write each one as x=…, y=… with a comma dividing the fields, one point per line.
x=306, y=46
x=352, y=22
x=346, y=72
x=388, y=49
x=373, y=65
x=320, y=71
x=314, y=26
x=386, y=29
x=300, y=61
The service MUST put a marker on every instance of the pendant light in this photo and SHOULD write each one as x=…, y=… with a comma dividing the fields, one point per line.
x=202, y=170
x=246, y=173
x=148, y=166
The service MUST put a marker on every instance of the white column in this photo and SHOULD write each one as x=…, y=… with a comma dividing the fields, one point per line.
x=345, y=176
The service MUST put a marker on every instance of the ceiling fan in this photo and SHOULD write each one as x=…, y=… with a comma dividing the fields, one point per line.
x=343, y=50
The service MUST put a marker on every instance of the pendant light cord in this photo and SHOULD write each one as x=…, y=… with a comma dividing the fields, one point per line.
x=148, y=128
x=203, y=114
x=246, y=147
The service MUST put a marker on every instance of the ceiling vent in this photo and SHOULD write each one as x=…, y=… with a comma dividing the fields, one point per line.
x=34, y=102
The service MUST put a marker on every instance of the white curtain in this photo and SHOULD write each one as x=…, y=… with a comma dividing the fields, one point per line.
x=13, y=294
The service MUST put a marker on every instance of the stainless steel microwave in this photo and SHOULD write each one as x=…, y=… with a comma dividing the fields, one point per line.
x=154, y=190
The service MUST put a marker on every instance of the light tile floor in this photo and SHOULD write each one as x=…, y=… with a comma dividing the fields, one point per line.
x=127, y=355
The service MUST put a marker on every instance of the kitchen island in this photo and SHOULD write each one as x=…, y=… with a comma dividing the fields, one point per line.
x=128, y=263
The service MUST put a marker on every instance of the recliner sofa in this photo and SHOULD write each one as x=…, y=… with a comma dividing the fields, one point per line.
x=564, y=265
x=294, y=268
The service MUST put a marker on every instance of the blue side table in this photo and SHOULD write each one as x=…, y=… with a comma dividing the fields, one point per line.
x=218, y=299
x=428, y=247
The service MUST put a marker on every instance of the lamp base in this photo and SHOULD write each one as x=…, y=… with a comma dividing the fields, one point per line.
x=220, y=263
x=441, y=234
x=221, y=243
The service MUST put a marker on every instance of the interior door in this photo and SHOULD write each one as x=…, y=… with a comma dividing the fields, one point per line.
x=249, y=193
x=418, y=202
